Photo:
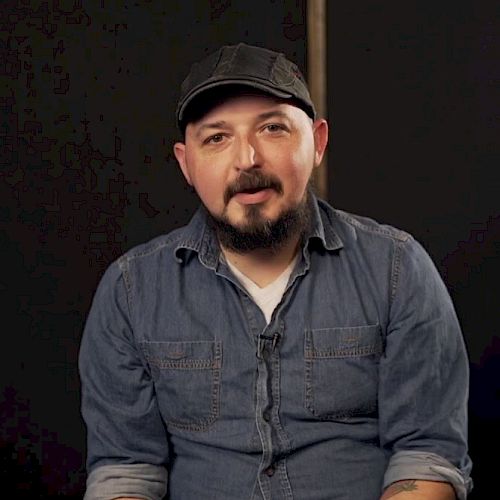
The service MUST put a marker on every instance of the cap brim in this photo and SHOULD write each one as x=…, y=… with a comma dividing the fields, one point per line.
x=247, y=82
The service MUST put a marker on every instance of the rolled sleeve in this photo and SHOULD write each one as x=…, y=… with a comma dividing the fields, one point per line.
x=426, y=467
x=144, y=481
x=125, y=432
x=424, y=377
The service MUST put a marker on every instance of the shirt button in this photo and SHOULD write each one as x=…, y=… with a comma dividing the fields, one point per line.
x=269, y=471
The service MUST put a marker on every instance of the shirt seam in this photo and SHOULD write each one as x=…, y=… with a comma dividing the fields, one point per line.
x=170, y=240
x=123, y=266
x=392, y=233
x=395, y=271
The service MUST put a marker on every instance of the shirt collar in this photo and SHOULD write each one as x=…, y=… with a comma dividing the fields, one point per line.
x=200, y=238
x=322, y=227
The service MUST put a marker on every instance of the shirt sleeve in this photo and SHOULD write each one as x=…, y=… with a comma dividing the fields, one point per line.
x=127, y=447
x=428, y=467
x=143, y=481
x=424, y=378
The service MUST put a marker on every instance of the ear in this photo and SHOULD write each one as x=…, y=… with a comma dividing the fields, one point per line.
x=320, y=131
x=180, y=154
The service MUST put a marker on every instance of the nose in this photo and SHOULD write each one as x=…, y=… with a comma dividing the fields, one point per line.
x=246, y=156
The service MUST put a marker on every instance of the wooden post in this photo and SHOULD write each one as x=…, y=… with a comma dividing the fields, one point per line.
x=316, y=75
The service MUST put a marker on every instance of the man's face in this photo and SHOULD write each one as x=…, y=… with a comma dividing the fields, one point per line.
x=250, y=159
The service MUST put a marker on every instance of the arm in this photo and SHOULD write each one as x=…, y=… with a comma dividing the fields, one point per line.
x=413, y=489
x=423, y=387
x=127, y=448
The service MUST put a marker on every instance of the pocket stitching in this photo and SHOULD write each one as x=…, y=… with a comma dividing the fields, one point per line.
x=214, y=365
x=310, y=354
x=338, y=352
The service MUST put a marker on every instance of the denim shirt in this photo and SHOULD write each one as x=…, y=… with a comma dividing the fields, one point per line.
x=360, y=378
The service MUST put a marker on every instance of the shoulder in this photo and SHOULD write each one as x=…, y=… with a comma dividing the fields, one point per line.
x=148, y=256
x=374, y=238
x=162, y=244
x=349, y=225
x=409, y=261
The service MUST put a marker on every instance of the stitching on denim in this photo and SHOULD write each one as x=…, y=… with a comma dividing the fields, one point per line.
x=190, y=342
x=208, y=252
x=396, y=267
x=123, y=265
x=395, y=234
x=284, y=480
x=344, y=353
x=338, y=415
x=246, y=304
x=205, y=423
x=216, y=365
x=330, y=239
x=376, y=347
x=309, y=391
x=264, y=484
x=195, y=364
x=308, y=387
x=170, y=239
x=275, y=363
x=348, y=328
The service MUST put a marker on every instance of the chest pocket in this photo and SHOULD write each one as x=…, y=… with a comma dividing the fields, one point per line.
x=341, y=371
x=187, y=381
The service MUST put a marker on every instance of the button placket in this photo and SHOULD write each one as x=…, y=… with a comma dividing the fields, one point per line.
x=267, y=397
x=263, y=428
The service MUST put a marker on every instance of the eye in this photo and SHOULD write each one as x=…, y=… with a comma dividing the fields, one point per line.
x=275, y=128
x=214, y=139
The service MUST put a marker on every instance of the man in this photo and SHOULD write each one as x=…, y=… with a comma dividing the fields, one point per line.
x=274, y=348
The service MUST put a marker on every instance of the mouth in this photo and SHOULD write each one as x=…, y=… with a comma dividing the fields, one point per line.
x=251, y=190
x=253, y=196
x=253, y=187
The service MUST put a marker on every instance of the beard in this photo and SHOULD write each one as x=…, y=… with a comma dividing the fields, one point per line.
x=261, y=233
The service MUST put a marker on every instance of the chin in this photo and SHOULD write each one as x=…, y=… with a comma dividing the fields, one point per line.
x=254, y=216
x=255, y=229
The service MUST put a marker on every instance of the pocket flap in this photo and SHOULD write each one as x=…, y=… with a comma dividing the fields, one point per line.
x=343, y=342
x=187, y=354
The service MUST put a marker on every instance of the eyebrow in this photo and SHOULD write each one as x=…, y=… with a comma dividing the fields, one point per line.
x=223, y=124
x=212, y=125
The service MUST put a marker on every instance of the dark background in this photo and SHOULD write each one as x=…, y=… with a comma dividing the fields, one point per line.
x=87, y=97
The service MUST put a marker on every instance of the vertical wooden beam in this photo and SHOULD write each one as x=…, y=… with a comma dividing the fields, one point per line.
x=316, y=75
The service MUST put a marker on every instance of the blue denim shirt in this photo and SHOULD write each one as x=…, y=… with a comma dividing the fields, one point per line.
x=359, y=380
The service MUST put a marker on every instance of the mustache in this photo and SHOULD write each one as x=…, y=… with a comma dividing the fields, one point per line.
x=252, y=180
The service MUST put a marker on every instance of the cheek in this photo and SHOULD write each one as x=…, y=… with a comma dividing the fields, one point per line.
x=209, y=189
x=300, y=165
x=209, y=185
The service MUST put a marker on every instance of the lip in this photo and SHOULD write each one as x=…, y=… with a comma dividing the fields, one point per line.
x=253, y=198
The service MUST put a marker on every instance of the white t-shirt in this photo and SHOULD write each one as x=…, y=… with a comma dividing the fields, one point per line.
x=268, y=297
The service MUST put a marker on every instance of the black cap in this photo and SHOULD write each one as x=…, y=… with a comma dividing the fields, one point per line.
x=245, y=65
